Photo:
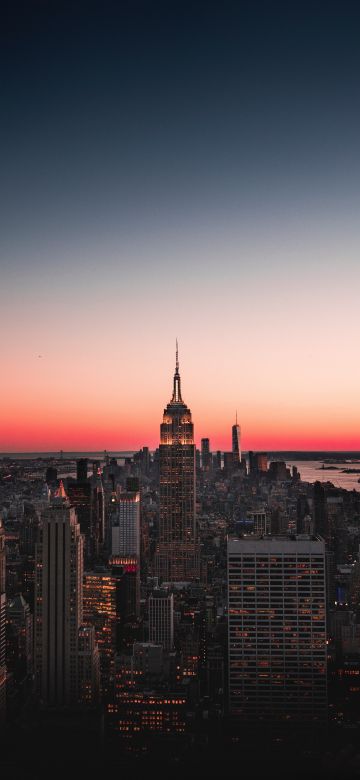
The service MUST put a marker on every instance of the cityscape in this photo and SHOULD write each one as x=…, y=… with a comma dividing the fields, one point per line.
x=174, y=600
x=180, y=384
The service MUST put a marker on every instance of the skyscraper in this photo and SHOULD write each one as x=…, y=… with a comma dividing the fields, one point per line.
x=177, y=554
x=58, y=604
x=236, y=445
x=125, y=531
x=161, y=619
x=2, y=624
x=205, y=454
x=277, y=628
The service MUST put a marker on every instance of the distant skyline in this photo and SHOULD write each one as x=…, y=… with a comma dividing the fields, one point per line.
x=185, y=170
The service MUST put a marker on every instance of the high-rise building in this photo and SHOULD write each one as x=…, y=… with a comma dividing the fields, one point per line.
x=80, y=495
x=98, y=530
x=58, y=604
x=278, y=471
x=88, y=666
x=277, y=628
x=103, y=609
x=125, y=531
x=217, y=460
x=128, y=570
x=19, y=638
x=205, y=454
x=258, y=461
x=2, y=623
x=236, y=444
x=177, y=556
x=161, y=619
x=82, y=469
x=260, y=520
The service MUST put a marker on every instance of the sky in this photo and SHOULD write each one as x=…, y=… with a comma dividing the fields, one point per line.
x=183, y=170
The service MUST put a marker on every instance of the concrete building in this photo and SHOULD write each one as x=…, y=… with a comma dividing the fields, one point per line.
x=125, y=531
x=2, y=624
x=58, y=604
x=205, y=454
x=161, y=619
x=277, y=628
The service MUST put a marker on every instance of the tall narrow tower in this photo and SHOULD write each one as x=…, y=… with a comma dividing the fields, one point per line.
x=2, y=624
x=58, y=604
x=177, y=554
x=236, y=445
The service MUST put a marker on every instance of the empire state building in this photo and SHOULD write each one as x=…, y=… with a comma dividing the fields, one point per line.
x=177, y=556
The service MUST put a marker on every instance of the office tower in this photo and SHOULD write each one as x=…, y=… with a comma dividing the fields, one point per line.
x=128, y=570
x=278, y=471
x=177, y=556
x=260, y=520
x=132, y=484
x=103, y=609
x=19, y=638
x=197, y=459
x=97, y=522
x=161, y=619
x=80, y=495
x=51, y=475
x=2, y=623
x=258, y=461
x=58, y=604
x=125, y=531
x=261, y=461
x=277, y=628
x=205, y=454
x=304, y=522
x=320, y=510
x=218, y=460
x=236, y=444
x=143, y=461
x=88, y=666
x=82, y=469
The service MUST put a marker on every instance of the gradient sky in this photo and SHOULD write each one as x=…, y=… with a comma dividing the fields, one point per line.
x=180, y=169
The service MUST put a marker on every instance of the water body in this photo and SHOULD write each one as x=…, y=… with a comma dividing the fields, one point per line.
x=312, y=471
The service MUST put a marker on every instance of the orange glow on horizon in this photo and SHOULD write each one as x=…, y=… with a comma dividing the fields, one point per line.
x=81, y=435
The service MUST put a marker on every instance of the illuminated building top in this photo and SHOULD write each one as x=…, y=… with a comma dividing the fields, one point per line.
x=177, y=427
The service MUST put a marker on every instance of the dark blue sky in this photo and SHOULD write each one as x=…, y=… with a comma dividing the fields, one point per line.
x=185, y=169
x=112, y=110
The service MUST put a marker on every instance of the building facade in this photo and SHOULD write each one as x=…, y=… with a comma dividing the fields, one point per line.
x=125, y=531
x=2, y=624
x=236, y=444
x=177, y=557
x=277, y=629
x=161, y=619
x=58, y=604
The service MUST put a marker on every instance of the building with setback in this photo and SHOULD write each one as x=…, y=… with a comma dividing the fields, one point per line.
x=58, y=606
x=177, y=557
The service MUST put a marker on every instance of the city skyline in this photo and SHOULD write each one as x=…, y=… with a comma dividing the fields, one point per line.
x=202, y=160
x=41, y=435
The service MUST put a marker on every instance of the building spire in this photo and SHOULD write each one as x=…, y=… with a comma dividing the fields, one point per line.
x=176, y=397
